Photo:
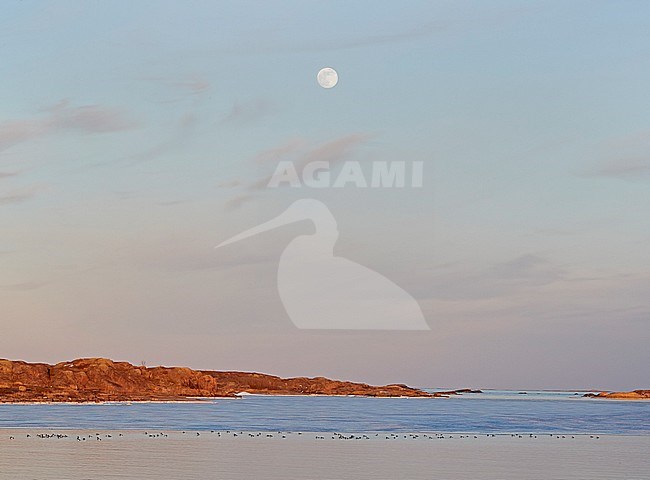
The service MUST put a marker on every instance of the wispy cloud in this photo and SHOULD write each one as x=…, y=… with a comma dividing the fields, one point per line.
x=177, y=90
x=23, y=286
x=13, y=132
x=624, y=157
x=86, y=119
x=195, y=86
x=230, y=184
x=334, y=152
x=494, y=17
x=185, y=126
x=274, y=41
x=162, y=255
x=278, y=38
x=18, y=196
x=530, y=268
x=301, y=152
x=249, y=111
x=498, y=280
x=8, y=174
x=404, y=35
x=277, y=153
x=236, y=202
x=626, y=169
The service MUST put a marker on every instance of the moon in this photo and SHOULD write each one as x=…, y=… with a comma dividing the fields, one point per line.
x=327, y=77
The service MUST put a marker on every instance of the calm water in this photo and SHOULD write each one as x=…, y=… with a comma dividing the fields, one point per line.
x=492, y=412
x=300, y=457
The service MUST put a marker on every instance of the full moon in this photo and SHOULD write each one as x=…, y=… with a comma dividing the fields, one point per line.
x=327, y=77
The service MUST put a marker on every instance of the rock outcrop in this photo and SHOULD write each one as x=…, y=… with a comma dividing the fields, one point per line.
x=100, y=379
x=461, y=391
x=633, y=395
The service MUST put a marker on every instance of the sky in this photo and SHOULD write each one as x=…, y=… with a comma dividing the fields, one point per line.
x=137, y=136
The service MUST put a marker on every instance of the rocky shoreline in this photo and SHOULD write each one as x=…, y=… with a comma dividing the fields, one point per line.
x=103, y=380
x=633, y=395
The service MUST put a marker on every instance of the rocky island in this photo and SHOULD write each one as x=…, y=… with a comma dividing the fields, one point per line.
x=633, y=395
x=101, y=379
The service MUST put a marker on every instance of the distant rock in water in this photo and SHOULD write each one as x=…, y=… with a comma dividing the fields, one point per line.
x=457, y=392
x=100, y=379
x=633, y=395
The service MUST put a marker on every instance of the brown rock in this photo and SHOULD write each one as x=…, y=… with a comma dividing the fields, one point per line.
x=633, y=395
x=100, y=379
x=458, y=392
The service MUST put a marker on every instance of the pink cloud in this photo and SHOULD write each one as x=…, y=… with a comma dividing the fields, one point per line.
x=301, y=152
x=17, y=196
x=89, y=119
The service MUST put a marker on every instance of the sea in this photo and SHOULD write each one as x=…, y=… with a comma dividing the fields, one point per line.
x=493, y=411
x=494, y=435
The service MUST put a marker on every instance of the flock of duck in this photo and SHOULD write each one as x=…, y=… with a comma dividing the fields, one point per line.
x=320, y=436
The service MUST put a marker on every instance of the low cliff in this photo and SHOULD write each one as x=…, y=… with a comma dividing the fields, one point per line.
x=100, y=379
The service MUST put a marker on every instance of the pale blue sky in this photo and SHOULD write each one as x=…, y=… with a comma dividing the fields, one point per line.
x=131, y=133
